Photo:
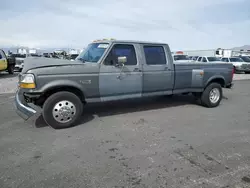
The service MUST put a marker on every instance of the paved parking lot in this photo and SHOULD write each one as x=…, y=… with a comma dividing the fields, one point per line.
x=155, y=142
x=8, y=83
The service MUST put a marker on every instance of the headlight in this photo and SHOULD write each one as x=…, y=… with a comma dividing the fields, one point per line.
x=27, y=81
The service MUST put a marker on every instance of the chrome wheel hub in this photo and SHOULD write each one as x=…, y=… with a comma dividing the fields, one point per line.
x=214, y=95
x=64, y=111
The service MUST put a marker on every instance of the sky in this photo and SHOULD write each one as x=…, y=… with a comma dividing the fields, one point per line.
x=183, y=24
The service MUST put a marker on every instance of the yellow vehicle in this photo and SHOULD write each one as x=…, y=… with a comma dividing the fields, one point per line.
x=6, y=63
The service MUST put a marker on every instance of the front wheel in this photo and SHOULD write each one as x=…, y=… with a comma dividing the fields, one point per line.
x=62, y=110
x=212, y=95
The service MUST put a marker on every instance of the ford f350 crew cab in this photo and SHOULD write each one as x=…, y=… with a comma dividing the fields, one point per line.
x=113, y=70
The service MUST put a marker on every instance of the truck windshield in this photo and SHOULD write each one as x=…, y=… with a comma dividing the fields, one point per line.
x=181, y=57
x=213, y=59
x=93, y=52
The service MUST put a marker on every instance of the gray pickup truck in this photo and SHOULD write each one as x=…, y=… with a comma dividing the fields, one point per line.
x=113, y=70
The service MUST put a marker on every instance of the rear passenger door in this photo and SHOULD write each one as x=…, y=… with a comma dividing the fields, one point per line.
x=157, y=71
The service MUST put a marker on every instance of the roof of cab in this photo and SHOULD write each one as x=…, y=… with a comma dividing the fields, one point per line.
x=127, y=41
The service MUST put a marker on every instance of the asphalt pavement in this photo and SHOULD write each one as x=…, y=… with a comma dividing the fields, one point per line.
x=154, y=142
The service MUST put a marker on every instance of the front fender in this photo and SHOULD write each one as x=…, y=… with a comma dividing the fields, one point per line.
x=61, y=83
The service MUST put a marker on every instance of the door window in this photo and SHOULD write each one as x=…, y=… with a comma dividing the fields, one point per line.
x=199, y=59
x=155, y=55
x=121, y=50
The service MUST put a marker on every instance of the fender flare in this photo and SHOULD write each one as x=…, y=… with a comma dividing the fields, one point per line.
x=61, y=83
x=215, y=77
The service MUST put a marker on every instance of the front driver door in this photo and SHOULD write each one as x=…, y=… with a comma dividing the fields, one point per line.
x=117, y=82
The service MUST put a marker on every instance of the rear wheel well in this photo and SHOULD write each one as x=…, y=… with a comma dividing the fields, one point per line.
x=220, y=81
x=40, y=101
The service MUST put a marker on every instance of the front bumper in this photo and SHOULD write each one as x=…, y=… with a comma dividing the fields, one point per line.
x=22, y=108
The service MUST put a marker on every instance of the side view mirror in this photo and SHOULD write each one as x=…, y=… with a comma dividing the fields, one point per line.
x=122, y=60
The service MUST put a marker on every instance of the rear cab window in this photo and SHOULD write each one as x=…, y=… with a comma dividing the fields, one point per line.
x=155, y=55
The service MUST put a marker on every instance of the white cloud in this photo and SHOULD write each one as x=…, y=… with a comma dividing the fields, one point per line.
x=75, y=23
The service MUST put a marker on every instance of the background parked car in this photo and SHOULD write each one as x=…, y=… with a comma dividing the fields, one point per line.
x=238, y=63
x=6, y=63
x=182, y=58
x=194, y=58
x=72, y=57
x=19, y=61
x=207, y=59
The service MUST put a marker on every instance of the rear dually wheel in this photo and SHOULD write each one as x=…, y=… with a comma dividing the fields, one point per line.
x=212, y=95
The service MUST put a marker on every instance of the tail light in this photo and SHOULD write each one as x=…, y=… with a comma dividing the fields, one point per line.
x=233, y=71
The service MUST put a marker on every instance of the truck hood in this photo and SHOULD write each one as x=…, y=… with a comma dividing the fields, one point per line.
x=38, y=62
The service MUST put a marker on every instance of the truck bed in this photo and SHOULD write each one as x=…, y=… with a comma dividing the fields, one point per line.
x=195, y=75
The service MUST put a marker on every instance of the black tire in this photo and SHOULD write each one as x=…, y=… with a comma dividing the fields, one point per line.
x=11, y=69
x=205, y=97
x=53, y=100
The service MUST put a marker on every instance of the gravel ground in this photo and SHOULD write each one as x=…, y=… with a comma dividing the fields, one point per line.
x=155, y=142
